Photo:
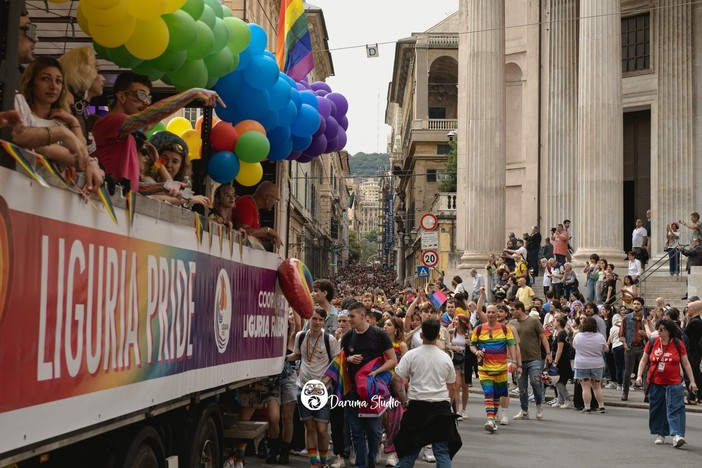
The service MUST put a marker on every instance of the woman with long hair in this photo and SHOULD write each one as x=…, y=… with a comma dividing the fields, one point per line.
x=223, y=202
x=42, y=103
x=393, y=415
x=672, y=239
x=629, y=291
x=460, y=332
x=561, y=358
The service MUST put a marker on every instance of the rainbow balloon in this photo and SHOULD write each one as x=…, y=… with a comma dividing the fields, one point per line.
x=295, y=281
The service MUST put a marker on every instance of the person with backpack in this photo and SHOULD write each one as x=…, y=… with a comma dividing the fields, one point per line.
x=693, y=331
x=315, y=348
x=666, y=393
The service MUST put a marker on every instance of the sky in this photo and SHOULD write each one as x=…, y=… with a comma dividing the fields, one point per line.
x=364, y=81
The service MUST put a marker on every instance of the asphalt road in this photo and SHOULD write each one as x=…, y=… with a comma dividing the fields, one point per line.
x=565, y=437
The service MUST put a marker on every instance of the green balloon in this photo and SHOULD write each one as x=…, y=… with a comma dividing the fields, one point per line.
x=220, y=63
x=226, y=12
x=121, y=56
x=194, y=8
x=102, y=51
x=170, y=60
x=181, y=29
x=216, y=7
x=208, y=17
x=239, y=34
x=146, y=68
x=211, y=82
x=252, y=147
x=221, y=34
x=204, y=44
x=159, y=127
x=190, y=75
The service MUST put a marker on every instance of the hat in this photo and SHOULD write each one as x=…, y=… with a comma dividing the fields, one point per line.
x=377, y=314
x=167, y=141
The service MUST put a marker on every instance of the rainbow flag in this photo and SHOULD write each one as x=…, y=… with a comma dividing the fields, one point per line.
x=293, y=50
x=198, y=228
x=339, y=375
x=107, y=201
x=17, y=155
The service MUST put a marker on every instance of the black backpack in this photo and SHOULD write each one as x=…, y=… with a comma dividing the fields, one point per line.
x=301, y=339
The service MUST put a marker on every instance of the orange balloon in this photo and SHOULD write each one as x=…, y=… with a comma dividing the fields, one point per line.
x=198, y=123
x=249, y=126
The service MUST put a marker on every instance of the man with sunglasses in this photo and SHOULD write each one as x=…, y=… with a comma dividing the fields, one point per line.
x=28, y=39
x=132, y=111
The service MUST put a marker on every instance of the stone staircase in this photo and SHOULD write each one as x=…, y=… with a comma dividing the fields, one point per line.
x=670, y=288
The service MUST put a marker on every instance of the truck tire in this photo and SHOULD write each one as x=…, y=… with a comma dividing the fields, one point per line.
x=145, y=450
x=206, y=441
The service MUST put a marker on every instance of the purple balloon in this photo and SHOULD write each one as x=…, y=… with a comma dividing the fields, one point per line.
x=343, y=122
x=331, y=145
x=321, y=92
x=324, y=107
x=321, y=85
x=341, y=136
x=322, y=128
x=305, y=158
x=300, y=87
x=294, y=155
x=333, y=107
x=332, y=128
x=342, y=105
x=318, y=146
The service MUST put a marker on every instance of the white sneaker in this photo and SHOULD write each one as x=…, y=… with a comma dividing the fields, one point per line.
x=612, y=386
x=428, y=455
x=660, y=440
x=678, y=441
x=338, y=462
x=504, y=420
x=490, y=426
x=463, y=415
x=539, y=412
x=553, y=402
x=352, y=456
x=566, y=404
x=620, y=388
x=522, y=415
x=392, y=460
x=531, y=397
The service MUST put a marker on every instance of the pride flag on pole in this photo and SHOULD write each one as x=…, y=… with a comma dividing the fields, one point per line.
x=437, y=298
x=293, y=50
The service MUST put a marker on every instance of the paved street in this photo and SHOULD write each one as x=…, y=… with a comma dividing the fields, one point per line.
x=566, y=437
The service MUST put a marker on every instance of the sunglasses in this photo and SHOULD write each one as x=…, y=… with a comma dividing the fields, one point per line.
x=30, y=31
x=175, y=147
x=141, y=95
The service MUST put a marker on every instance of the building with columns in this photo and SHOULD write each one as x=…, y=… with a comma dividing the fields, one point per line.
x=589, y=110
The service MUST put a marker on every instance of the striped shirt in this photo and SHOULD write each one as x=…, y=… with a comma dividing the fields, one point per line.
x=493, y=342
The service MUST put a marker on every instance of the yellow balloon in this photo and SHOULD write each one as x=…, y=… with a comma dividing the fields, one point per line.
x=83, y=21
x=150, y=39
x=174, y=5
x=178, y=125
x=114, y=35
x=249, y=173
x=142, y=10
x=194, y=142
x=100, y=3
x=104, y=16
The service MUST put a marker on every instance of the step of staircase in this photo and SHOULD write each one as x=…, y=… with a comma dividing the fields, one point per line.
x=670, y=288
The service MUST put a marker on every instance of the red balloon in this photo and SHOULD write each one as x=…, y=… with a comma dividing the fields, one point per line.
x=295, y=281
x=224, y=137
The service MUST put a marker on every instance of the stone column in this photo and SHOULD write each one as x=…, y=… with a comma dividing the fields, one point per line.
x=600, y=132
x=562, y=113
x=421, y=88
x=672, y=171
x=480, y=213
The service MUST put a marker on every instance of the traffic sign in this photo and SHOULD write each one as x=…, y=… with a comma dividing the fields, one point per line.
x=428, y=222
x=422, y=272
x=430, y=240
x=430, y=258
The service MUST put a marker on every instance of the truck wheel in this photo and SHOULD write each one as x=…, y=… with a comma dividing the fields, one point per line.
x=206, y=449
x=145, y=450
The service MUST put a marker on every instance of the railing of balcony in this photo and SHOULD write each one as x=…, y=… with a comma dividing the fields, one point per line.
x=442, y=124
x=443, y=41
x=444, y=202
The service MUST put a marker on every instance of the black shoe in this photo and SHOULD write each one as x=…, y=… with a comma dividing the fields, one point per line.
x=646, y=399
x=284, y=458
x=684, y=298
x=262, y=451
x=625, y=396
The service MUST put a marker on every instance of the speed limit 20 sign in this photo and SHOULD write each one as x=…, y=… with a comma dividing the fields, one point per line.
x=430, y=258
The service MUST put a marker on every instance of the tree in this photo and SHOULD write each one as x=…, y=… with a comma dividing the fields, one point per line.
x=354, y=248
x=369, y=165
x=450, y=182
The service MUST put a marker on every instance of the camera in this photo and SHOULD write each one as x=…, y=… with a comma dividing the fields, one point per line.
x=553, y=229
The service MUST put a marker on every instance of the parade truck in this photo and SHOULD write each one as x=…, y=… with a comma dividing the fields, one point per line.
x=128, y=327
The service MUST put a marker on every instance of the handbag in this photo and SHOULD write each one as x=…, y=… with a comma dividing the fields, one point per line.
x=459, y=358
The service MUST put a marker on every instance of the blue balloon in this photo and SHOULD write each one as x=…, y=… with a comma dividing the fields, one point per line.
x=269, y=120
x=270, y=54
x=290, y=81
x=223, y=167
x=262, y=72
x=279, y=135
x=259, y=39
x=229, y=86
x=308, y=97
x=295, y=96
x=287, y=115
x=244, y=59
x=252, y=103
x=307, y=121
x=280, y=94
x=280, y=151
x=301, y=143
x=225, y=113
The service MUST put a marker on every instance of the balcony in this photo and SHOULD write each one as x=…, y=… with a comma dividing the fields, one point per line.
x=444, y=204
x=439, y=124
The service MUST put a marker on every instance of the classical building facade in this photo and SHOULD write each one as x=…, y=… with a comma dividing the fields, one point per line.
x=583, y=109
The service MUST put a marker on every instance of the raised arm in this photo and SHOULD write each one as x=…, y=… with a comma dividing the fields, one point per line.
x=479, y=307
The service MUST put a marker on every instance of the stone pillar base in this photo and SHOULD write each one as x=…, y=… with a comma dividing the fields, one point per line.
x=475, y=260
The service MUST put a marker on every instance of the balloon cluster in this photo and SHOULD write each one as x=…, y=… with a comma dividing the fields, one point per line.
x=302, y=120
x=185, y=43
x=239, y=150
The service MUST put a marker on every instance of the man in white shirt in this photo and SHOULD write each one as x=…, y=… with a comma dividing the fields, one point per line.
x=634, y=269
x=429, y=418
x=639, y=239
x=478, y=281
